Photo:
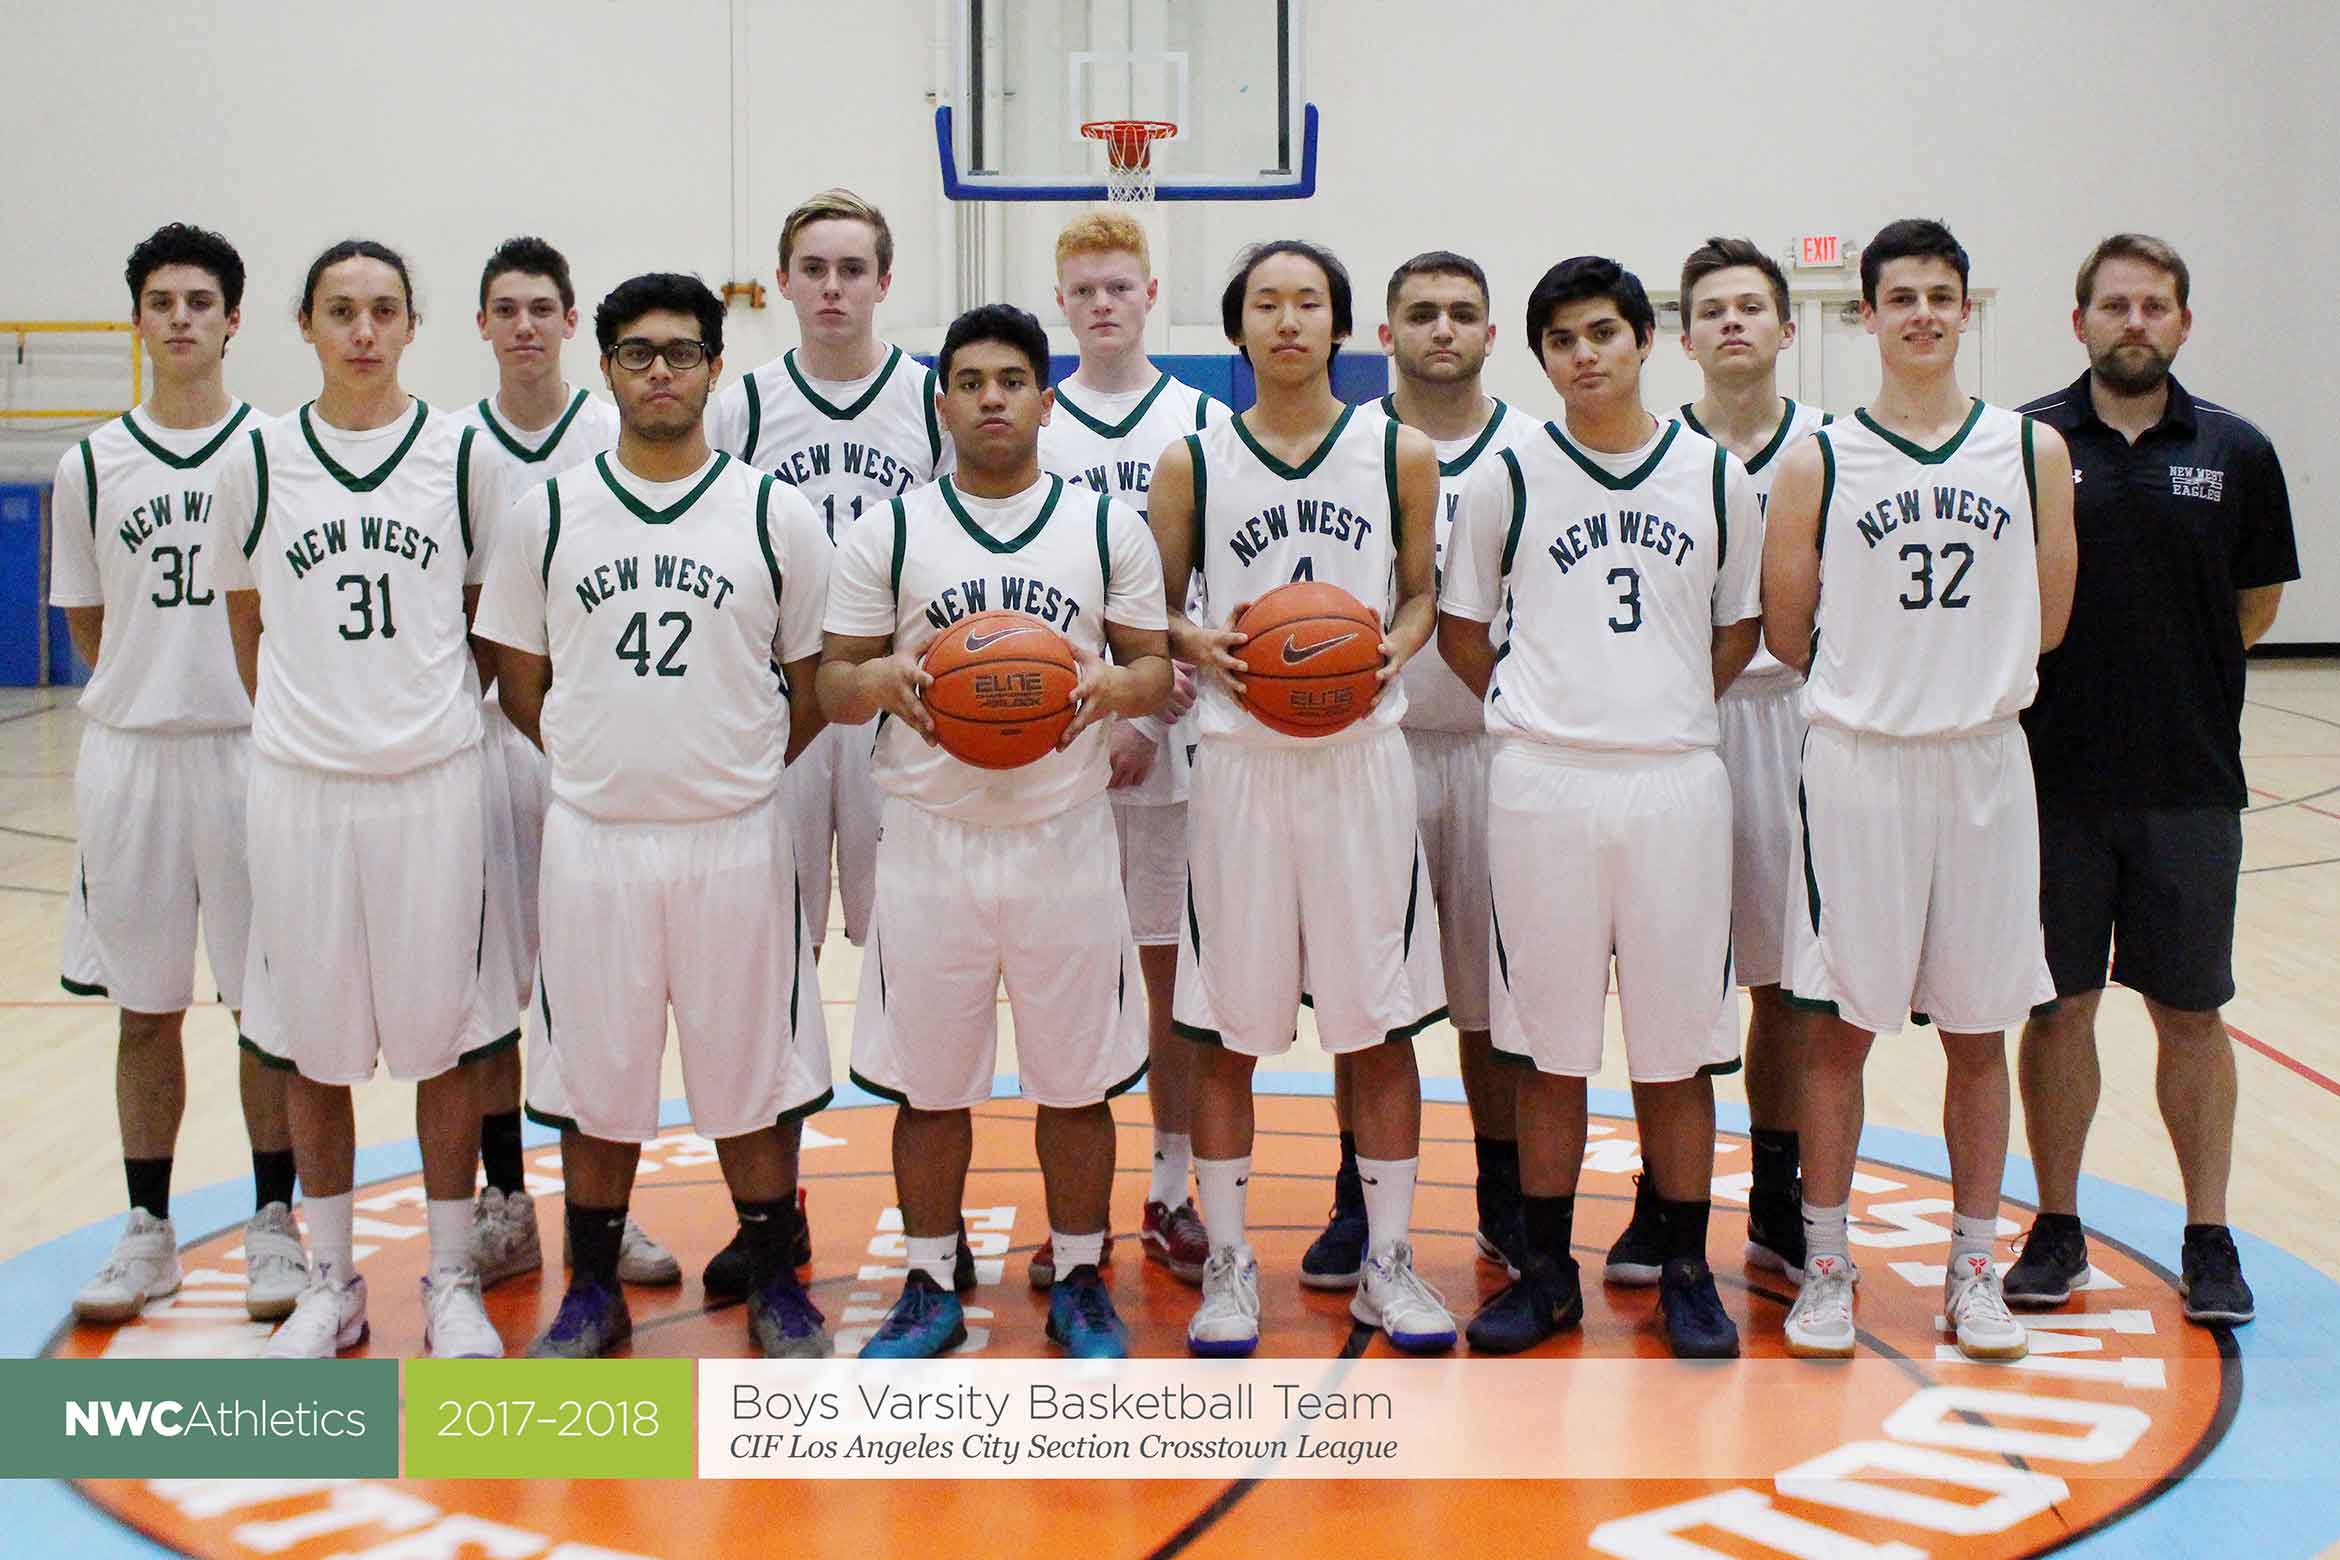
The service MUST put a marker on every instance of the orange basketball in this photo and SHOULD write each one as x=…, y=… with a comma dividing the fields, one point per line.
x=1310, y=660
x=1003, y=689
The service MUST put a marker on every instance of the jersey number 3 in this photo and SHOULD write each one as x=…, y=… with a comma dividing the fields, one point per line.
x=634, y=644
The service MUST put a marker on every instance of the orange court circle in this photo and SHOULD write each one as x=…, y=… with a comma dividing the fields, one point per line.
x=2121, y=1349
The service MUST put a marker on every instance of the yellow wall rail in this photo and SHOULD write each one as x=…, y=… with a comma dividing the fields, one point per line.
x=20, y=329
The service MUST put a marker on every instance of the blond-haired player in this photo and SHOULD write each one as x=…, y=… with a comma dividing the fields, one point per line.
x=1113, y=417
x=1919, y=559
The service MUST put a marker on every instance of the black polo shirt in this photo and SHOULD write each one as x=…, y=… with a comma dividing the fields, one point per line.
x=2141, y=706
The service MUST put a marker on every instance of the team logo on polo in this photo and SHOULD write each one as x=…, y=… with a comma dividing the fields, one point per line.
x=2197, y=482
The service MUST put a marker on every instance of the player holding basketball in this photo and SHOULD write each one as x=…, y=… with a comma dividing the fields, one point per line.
x=658, y=616
x=536, y=426
x=361, y=525
x=1300, y=839
x=159, y=785
x=1918, y=561
x=849, y=420
x=1438, y=337
x=1624, y=552
x=1111, y=419
x=1734, y=324
x=987, y=874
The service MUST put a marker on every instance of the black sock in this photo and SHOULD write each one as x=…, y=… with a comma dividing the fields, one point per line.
x=272, y=1176
x=1348, y=1154
x=1682, y=1227
x=770, y=1229
x=595, y=1234
x=499, y=1151
x=1776, y=1156
x=2062, y=1224
x=1498, y=1159
x=1348, y=1191
x=150, y=1185
x=2193, y=1231
x=1551, y=1224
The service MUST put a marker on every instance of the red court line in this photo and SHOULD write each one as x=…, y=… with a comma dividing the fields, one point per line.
x=2273, y=1055
x=2277, y=796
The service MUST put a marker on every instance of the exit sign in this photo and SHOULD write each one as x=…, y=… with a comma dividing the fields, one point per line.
x=1824, y=251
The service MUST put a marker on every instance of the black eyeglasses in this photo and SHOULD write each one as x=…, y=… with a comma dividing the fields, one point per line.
x=635, y=354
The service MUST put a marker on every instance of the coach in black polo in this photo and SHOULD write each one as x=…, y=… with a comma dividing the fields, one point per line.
x=2185, y=543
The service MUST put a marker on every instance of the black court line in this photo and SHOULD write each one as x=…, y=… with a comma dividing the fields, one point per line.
x=26, y=888
x=67, y=839
x=38, y=709
x=2291, y=801
x=2291, y=866
x=2321, y=720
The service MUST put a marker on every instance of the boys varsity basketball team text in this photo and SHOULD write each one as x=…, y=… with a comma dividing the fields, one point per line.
x=551, y=715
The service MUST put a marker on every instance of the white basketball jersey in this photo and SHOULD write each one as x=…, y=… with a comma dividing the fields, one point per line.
x=1612, y=573
x=131, y=524
x=360, y=546
x=1768, y=670
x=1057, y=551
x=1260, y=523
x=665, y=608
x=584, y=429
x=1928, y=622
x=847, y=447
x=1436, y=700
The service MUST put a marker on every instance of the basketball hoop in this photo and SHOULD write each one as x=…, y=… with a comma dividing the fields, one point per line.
x=1129, y=155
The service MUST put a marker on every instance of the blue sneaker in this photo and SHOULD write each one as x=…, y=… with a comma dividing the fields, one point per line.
x=1082, y=1319
x=1696, y=1325
x=785, y=1323
x=925, y=1322
x=1336, y=1258
x=1546, y=1299
x=592, y=1321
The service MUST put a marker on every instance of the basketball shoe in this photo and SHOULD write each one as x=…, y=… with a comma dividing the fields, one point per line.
x=2212, y=1280
x=926, y=1320
x=1402, y=1303
x=2054, y=1257
x=1546, y=1299
x=143, y=1266
x=785, y=1323
x=276, y=1270
x=1042, y=1272
x=1639, y=1257
x=330, y=1317
x=593, y=1320
x=727, y=1275
x=1226, y=1324
x=1820, y=1323
x=504, y=1238
x=1976, y=1310
x=1081, y=1317
x=1336, y=1258
x=1174, y=1237
x=1696, y=1325
x=455, y=1323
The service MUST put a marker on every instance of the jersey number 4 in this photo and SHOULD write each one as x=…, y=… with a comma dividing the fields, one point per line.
x=634, y=644
x=1922, y=575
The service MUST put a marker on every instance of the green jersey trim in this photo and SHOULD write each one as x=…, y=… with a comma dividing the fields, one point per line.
x=1389, y=478
x=672, y=512
x=1599, y=473
x=89, y=484
x=2031, y=479
x=552, y=439
x=755, y=411
x=186, y=462
x=831, y=409
x=380, y=474
x=1202, y=494
x=1104, y=547
x=552, y=528
x=901, y=547
x=1518, y=509
x=764, y=539
x=1722, y=519
x=1779, y=435
x=259, y=493
x=1121, y=429
x=933, y=426
x=1463, y=462
x=1306, y=467
x=1918, y=452
x=463, y=488
x=950, y=495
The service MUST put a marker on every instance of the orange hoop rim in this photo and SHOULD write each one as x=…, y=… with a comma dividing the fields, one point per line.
x=1129, y=143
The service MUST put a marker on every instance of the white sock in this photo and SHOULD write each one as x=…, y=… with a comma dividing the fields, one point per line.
x=934, y=1255
x=331, y=1222
x=450, y=1223
x=1389, y=1200
x=1825, y=1232
x=1972, y=1237
x=1074, y=1251
x=1220, y=1185
x=1173, y=1163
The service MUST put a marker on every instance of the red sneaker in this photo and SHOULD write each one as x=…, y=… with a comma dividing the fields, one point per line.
x=1043, y=1271
x=1174, y=1237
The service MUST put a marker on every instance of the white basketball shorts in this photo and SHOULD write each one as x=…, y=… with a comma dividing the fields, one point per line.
x=1914, y=881
x=1314, y=847
x=369, y=919
x=1450, y=807
x=516, y=851
x=160, y=819
x=1594, y=853
x=962, y=906
x=701, y=916
x=1762, y=748
x=1153, y=867
x=831, y=795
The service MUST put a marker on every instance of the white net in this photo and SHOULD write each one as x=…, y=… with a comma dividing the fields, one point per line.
x=1128, y=186
x=1129, y=156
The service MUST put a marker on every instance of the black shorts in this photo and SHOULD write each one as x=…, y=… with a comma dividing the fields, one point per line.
x=2150, y=889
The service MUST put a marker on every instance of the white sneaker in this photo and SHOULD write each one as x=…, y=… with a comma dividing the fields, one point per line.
x=1226, y=1324
x=642, y=1260
x=1402, y=1303
x=1975, y=1307
x=331, y=1317
x=143, y=1266
x=276, y=1270
x=1820, y=1323
x=455, y=1324
x=504, y=1240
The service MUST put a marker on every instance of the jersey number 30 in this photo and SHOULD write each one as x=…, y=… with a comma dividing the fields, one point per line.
x=634, y=644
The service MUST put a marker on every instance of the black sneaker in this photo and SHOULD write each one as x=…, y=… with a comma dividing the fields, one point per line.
x=1696, y=1325
x=2054, y=1258
x=2212, y=1280
x=1547, y=1299
x=727, y=1276
x=1775, y=1232
x=1336, y=1258
x=1640, y=1253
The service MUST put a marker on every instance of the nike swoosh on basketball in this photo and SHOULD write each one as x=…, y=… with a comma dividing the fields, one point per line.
x=1295, y=654
x=977, y=642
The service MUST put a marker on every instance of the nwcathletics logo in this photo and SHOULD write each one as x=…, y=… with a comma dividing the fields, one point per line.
x=977, y=642
x=1295, y=654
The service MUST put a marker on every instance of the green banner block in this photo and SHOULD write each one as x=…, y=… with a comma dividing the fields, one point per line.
x=145, y=1419
x=536, y=1419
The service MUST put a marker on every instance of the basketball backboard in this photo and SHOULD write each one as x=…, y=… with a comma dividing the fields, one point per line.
x=1029, y=73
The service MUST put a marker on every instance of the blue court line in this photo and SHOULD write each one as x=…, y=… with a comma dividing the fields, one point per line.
x=2264, y=1491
